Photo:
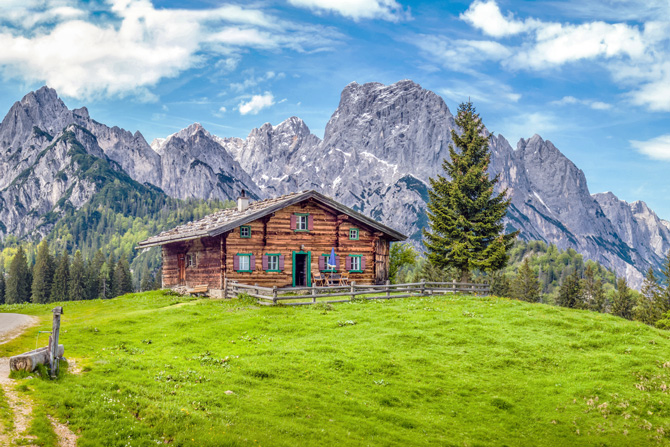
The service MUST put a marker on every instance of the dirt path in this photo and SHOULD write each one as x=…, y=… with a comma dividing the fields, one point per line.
x=11, y=326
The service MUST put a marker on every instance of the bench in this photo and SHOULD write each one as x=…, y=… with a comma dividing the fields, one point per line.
x=197, y=290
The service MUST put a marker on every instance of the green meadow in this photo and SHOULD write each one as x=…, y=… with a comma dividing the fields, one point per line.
x=153, y=368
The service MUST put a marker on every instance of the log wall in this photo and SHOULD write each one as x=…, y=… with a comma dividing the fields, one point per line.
x=273, y=234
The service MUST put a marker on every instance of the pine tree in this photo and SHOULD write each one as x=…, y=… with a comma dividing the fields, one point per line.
x=2, y=287
x=592, y=294
x=105, y=290
x=570, y=291
x=123, y=280
x=59, y=289
x=464, y=213
x=77, y=283
x=622, y=300
x=501, y=285
x=93, y=277
x=147, y=280
x=43, y=273
x=649, y=307
x=158, y=279
x=664, y=293
x=526, y=286
x=17, y=289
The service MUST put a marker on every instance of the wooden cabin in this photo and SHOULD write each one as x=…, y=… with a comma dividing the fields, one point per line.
x=280, y=242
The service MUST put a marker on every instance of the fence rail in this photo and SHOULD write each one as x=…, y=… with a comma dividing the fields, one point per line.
x=300, y=296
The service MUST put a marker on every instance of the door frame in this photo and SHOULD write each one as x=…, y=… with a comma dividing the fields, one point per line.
x=181, y=269
x=308, y=266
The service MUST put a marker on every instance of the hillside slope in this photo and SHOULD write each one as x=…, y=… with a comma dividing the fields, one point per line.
x=446, y=370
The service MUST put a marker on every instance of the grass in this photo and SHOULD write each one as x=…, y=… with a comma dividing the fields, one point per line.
x=446, y=370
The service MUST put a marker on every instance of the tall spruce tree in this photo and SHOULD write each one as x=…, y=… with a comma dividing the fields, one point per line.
x=570, y=292
x=464, y=213
x=123, y=280
x=93, y=276
x=18, y=280
x=59, y=289
x=2, y=287
x=649, y=308
x=77, y=283
x=592, y=292
x=622, y=300
x=43, y=273
x=526, y=286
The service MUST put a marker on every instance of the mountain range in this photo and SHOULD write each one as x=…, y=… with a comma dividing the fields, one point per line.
x=380, y=148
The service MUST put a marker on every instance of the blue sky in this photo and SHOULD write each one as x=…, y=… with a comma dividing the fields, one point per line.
x=592, y=77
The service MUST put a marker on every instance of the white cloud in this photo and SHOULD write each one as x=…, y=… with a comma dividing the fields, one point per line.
x=223, y=109
x=570, y=100
x=635, y=55
x=256, y=104
x=136, y=45
x=657, y=148
x=487, y=17
x=516, y=127
x=389, y=10
x=250, y=80
x=485, y=90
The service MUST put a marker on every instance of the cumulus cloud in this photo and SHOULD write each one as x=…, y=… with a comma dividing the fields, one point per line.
x=256, y=104
x=657, y=148
x=487, y=17
x=389, y=10
x=137, y=45
x=636, y=55
x=571, y=100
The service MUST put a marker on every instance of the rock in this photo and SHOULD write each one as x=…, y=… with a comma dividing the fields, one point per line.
x=228, y=392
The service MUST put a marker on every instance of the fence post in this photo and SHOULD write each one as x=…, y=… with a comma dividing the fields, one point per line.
x=313, y=294
x=388, y=290
x=274, y=294
x=453, y=286
x=423, y=287
x=353, y=289
x=55, y=331
x=225, y=289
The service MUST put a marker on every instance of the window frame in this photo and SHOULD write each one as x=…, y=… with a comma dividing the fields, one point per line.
x=360, y=262
x=248, y=228
x=326, y=270
x=191, y=260
x=240, y=256
x=357, y=234
x=298, y=217
x=271, y=256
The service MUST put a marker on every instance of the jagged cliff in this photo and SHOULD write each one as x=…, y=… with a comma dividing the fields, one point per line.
x=380, y=147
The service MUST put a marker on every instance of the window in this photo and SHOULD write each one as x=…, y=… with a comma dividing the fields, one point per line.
x=301, y=222
x=353, y=234
x=355, y=263
x=244, y=263
x=273, y=263
x=324, y=266
x=245, y=231
x=190, y=260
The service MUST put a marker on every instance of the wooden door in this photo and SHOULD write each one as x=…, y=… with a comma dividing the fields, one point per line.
x=382, y=261
x=181, y=264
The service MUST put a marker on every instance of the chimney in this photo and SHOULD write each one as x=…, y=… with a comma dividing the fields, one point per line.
x=242, y=202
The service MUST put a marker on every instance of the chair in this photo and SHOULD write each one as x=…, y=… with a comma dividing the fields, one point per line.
x=319, y=280
x=334, y=279
x=344, y=280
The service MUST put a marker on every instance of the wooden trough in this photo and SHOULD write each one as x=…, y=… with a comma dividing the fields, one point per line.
x=49, y=355
x=28, y=361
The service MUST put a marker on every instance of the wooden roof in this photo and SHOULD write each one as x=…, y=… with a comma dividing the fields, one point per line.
x=228, y=219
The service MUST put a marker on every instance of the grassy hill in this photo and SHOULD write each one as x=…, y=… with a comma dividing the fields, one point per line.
x=447, y=370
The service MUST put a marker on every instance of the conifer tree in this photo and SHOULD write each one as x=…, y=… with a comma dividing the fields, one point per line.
x=147, y=281
x=105, y=290
x=17, y=289
x=592, y=293
x=501, y=285
x=570, y=291
x=664, y=292
x=43, y=273
x=2, y=287
x=649, y=307
x=59, y=289
x=464, y=213
x=158, y=279
x=526, y=285
x=77, y=283
x=622, y=300
x=94, y=278
x=123, y=281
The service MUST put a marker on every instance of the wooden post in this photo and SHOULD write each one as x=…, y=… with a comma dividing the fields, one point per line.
x=313, y=294
x=388, y=290
x=274, y=294
x=453, y=286
x=225, y=289
x=55, y=331
x=353, y=289
x=423, y=287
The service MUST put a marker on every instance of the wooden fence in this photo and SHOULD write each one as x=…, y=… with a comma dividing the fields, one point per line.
x=299, y=296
